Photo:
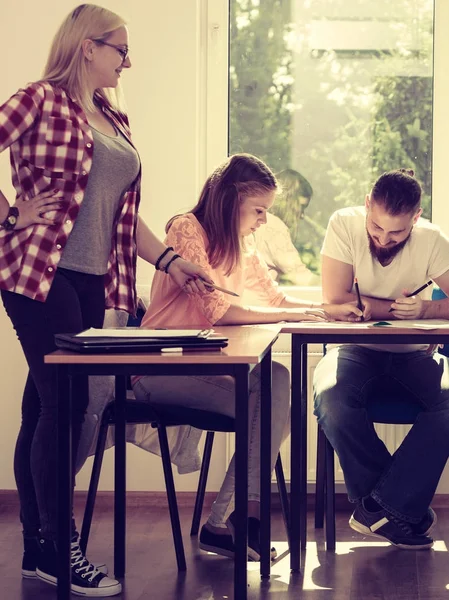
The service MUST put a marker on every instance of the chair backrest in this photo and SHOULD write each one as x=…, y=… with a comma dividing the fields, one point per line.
x=394, y=410
x=388, y=402
x=397, y=411
x=438, y=294
x=170, y=415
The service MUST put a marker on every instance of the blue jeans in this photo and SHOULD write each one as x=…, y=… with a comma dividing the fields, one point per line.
x=350, y=376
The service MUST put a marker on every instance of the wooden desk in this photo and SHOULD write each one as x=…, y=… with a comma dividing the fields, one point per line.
x=248, y=346
x=308, y=333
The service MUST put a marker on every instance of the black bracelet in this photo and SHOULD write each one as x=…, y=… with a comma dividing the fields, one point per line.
x=170, y=262
x=158, y=262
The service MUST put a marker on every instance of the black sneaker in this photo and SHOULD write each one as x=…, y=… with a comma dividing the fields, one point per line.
x=31, y=552
x=219, y=544
x=427, y=523
x=383, y=525
x=87, y=580
x=253, y=537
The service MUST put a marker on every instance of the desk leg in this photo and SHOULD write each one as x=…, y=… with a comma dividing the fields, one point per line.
x=265, y=466
x=120, y=477
x=241, y=480
x=64, y=481
x=296, y=452
x=303, y=441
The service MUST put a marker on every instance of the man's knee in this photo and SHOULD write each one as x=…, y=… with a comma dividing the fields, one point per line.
x=331, y=408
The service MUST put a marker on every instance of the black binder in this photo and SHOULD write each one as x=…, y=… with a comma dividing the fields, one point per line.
x=99, y=344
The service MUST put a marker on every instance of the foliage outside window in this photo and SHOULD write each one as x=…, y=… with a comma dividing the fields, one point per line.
x=338, y=90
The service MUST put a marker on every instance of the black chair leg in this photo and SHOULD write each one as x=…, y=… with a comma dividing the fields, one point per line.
x=320, y=478
x=93, y=485
x=171, y=496
x=330, y=497
x=283, y=495
x=199, y=501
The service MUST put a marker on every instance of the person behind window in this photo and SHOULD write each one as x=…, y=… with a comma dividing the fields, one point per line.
x=68, y=248
x=391, y=251
x=233, y=204
x=275, y=239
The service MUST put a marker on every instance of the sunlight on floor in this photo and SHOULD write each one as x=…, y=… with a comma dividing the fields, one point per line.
x=281, y=567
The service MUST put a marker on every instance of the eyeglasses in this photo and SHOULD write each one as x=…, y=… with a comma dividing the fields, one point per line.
x=122, y=51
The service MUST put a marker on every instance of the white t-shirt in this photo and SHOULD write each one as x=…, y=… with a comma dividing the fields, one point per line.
x=424, y=257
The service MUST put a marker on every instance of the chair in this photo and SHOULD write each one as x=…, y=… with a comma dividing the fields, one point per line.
x=394, y=411
x=161, y=417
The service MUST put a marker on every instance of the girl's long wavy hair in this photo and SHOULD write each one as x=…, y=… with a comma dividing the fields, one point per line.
x=67, y=67
x=218, y=211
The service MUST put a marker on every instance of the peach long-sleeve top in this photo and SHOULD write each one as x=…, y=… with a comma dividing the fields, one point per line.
x=170, y=306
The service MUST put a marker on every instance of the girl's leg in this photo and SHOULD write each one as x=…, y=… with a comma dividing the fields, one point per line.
x=281, y=410
x=216, y=394
x=29, y=511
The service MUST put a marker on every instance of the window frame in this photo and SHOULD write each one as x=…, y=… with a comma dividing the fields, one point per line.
x=216, y=99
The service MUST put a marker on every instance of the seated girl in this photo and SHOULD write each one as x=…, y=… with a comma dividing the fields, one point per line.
x=214, y=234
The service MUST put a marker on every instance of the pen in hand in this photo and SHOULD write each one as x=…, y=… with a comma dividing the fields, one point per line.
x=420, y=289
x=359, y=299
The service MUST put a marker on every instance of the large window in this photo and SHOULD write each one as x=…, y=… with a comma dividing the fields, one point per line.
x=331, y=93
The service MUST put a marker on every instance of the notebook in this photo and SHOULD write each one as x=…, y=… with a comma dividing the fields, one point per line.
x=129, y=340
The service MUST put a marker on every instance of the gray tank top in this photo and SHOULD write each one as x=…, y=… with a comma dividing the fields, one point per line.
x=115, y=165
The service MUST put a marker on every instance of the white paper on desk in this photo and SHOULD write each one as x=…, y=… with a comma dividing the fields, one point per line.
x=426, y=324
x=138, y=332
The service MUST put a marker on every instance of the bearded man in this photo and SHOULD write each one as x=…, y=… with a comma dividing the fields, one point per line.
x=391, y=250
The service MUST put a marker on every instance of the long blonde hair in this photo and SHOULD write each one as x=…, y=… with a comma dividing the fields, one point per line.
x=66, y=66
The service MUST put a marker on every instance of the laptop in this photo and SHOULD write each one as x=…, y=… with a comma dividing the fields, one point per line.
x=130, y=340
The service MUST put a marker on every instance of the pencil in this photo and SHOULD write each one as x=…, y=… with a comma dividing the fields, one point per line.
x=220, y=289
x=420, y=289
x=359, y=299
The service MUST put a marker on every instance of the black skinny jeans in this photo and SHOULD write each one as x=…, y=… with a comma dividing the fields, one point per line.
x=75, y=302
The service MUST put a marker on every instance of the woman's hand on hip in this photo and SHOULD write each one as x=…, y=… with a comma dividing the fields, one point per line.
x=34, y=210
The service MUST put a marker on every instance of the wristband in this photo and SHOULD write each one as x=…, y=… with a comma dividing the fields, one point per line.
x=173, y=258
x=158, y=262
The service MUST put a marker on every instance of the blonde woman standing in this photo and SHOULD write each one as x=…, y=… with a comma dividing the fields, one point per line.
x=68, y=249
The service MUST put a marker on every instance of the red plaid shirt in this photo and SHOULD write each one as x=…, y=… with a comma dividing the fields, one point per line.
x=51, y=148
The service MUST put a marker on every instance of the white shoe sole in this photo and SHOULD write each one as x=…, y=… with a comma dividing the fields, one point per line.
x=28, y=574
x=367, y=531
x=101, y=592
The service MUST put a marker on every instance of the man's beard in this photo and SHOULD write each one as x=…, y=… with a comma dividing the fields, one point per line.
x=386, y=255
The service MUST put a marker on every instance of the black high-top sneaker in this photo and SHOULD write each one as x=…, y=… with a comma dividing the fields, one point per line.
x=31, y=553
x=87, y=580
